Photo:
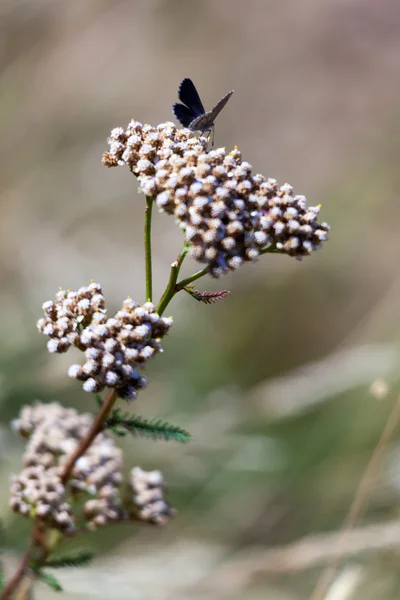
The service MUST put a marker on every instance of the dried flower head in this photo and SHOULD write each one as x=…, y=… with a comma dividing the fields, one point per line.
x=115, y=348
x=53, y=433
x=38, y=491
x=71, y=312
x=229, y=215
x=148, y=496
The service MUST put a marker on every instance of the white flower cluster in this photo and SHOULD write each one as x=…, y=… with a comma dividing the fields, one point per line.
x=66, y=317
x=148, y=496
x=228, y=214
x=114, y=347
x=38, y=491
x=53, y=433
x=140, y=147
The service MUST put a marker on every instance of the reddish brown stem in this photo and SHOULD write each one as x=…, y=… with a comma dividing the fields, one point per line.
x=18, y=575
x=23, y=567
x=96, y=427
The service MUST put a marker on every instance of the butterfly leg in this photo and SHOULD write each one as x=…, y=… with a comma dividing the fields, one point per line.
x=207, y=133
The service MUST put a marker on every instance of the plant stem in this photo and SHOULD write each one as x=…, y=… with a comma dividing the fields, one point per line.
x=174, y=286
x=24, y=590
x=171, y=288
x=185, y=282
x=22, y=569
x=147, y=248
x=270, y=250
x=96, y=427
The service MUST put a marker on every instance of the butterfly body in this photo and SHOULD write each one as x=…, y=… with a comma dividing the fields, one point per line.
x=191, y=112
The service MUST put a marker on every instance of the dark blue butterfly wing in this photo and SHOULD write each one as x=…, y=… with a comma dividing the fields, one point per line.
x=184, y=114
x=206, y=122
x=218, y=107
x=188, y=95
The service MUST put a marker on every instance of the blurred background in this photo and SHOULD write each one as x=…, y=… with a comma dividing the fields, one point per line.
x=273, y=382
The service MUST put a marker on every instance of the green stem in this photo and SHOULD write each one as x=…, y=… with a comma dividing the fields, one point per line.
x=147, y=248
x=185, y=282
x=270, y=250
x=171, y=288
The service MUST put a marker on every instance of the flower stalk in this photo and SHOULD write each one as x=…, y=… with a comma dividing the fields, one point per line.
x=95, y=429
x=171, y=288
x=182, y=284
x=147, y=248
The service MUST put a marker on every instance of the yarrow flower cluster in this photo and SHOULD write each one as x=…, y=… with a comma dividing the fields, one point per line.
x=53, y=433
x=114, y=347
x=229, y=215
x=148, y=496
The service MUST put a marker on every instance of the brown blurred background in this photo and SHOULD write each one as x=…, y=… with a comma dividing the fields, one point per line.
x=273, y=382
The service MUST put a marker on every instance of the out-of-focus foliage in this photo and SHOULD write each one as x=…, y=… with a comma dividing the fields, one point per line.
x=273, y=381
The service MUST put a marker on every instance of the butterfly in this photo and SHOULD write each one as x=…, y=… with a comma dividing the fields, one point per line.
x=192, y=113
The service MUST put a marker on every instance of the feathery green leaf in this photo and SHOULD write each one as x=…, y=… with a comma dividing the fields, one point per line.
x=156, y=429
x=76, y=560
x=50, y=580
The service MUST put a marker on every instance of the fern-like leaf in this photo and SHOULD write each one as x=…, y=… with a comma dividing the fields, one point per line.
x=121, y=423
x=206, y=297
x=50, y=580
x=76, y=560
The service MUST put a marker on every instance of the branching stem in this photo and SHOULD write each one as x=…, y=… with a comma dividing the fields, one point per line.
x=171, y=290
x=182, y=284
